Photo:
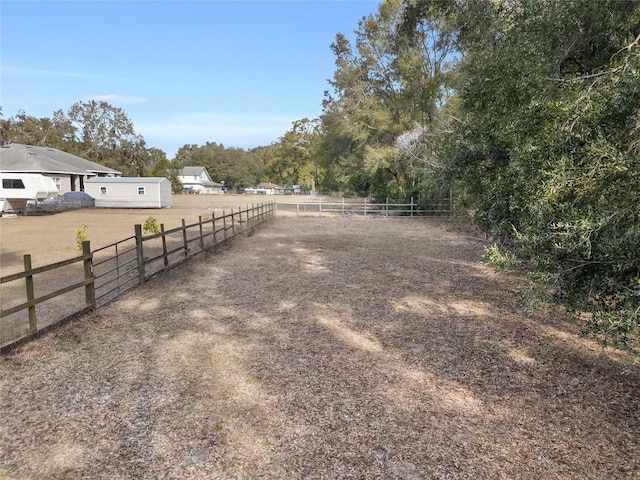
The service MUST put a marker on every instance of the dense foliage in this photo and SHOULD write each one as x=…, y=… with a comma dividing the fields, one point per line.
x=547, y=150
x=93, y=130
x=232, y=167
x=384, y=86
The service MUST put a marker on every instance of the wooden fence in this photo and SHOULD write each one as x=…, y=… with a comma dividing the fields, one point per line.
x=35, y=306
x=364, y=207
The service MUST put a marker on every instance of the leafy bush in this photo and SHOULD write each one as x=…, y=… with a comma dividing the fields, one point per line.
x=151, y=225
x=81, y=235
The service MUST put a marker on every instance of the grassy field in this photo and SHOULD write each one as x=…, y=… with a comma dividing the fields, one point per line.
x=322, y=348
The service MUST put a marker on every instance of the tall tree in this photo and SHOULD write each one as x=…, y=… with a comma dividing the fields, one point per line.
x=294, y=161
x=54, y=132
x=101, y=129
x=382, y=88
x=135, y=159
x=164, y=168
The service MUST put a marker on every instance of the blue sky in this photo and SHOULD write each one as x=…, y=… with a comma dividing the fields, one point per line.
x=185, y=72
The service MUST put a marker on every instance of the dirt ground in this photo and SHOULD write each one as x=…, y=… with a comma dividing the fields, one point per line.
x=322, y=348
x=51, y=238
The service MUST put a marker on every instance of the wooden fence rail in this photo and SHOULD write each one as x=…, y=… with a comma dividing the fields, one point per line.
x=8, y=328
x=367, y=208
x=112, y=270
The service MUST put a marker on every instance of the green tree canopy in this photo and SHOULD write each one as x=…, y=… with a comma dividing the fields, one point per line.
x=382, y=88
x=293, y=161
x=547, y=146
x=56, y=131
x=233, y=167
x=93, y=130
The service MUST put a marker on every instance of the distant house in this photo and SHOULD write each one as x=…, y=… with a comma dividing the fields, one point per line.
x=270, y=188
x=197, y=180
x=69, y=172
x=130, y=192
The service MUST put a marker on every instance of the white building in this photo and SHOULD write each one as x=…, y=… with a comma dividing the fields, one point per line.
x=269, y=188
x=197, y=180
x=68, y=172
x=130, y=192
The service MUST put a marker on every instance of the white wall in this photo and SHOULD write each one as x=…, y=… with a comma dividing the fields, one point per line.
x=126, y=194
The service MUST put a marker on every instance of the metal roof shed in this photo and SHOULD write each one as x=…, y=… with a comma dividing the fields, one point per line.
x=130, y=192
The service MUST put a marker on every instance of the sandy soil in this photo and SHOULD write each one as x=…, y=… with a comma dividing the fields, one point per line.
x=322, y=348
x=51, y=238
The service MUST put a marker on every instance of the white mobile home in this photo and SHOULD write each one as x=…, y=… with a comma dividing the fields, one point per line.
x=130, y=192
x=17, y=189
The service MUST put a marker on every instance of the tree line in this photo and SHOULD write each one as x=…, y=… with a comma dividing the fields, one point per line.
x=540, y=138
x=102, y=133
x=527, y=110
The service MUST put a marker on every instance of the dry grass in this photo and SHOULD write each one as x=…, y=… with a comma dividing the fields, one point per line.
x=51, y=238
x=322, y=348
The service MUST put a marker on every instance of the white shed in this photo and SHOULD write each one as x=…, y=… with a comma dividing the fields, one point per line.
x=130, y=192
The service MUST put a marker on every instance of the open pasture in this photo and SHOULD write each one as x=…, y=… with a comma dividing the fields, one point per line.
x=326, y=347
x=51, y=238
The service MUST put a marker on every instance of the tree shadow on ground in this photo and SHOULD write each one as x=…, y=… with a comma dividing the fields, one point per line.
x=324, y=348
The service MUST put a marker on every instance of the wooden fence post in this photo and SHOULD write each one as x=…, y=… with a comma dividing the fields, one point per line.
x=412, y=206
x=451, y=206
x=201, y=237
x=224, y=224
x=213, y=224
x=233, y=223
x=89, y=282
x=184, y=239
x=164, y=246
x=140, y=253
x=33, y=323
x=117, y=267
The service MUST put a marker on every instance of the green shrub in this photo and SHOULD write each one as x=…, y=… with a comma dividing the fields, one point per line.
x=151, y=225
x=81, y=236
